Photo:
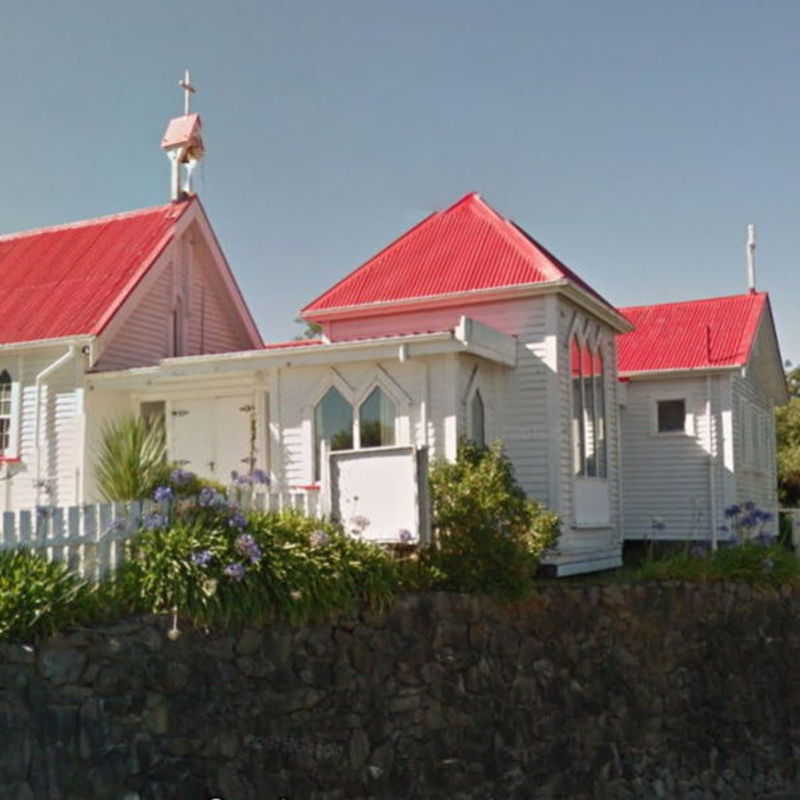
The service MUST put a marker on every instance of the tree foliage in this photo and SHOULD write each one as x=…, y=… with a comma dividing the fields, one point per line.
x=787, y=429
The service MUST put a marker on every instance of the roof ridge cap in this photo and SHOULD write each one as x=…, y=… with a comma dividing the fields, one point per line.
x=84, y=223
x=696, y=300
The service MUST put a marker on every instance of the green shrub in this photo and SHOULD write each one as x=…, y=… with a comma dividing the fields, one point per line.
x=750, y=562
x=489, y=536
x=37, y=597
x=220, y=567
x=132, y=458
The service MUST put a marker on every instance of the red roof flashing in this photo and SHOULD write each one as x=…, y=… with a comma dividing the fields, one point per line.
x=697, y=334
x=69, y=280
x=468, y=247
x=292, y=343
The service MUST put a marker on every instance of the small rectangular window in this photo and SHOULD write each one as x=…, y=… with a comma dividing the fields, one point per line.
x=671, y=416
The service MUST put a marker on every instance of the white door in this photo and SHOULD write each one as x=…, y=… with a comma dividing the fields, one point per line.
x=211, y=436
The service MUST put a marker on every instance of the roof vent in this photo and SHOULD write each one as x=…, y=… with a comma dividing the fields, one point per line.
x=183, y=144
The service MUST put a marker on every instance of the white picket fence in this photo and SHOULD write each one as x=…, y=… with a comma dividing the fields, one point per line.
x=91, y=539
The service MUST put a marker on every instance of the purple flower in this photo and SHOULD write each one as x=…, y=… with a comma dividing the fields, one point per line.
x=243, y=480
x=749, y=505
x=201, y=558
x=259, y=476
x=237, y=521
x=181, y=477
x=206, y=496
x=732, y=511
x=235, y=571
x=163, y=494
x=247, y=546
x=405, y=536
x=154, y=520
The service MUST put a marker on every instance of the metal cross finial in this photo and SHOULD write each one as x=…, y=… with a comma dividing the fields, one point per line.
x=189, y=90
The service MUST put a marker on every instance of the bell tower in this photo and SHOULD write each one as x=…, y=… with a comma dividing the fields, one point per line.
x=183, y=144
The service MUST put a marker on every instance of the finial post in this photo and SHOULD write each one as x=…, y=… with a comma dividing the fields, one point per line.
x=751, y=257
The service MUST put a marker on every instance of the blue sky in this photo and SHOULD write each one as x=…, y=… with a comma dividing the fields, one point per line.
x=635, y=140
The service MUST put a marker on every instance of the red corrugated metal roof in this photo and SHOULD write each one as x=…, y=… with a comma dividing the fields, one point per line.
x=467, y=247
x=69, y=280
x=696, y=334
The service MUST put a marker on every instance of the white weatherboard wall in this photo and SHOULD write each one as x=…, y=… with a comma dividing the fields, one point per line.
x=60, y=460
x=143, y=334
x=754, y=445
x=667, y=478
x=595, y=547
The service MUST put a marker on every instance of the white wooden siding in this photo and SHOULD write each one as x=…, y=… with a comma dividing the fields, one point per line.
x=60, y=460
x=666, y=477
x=756, y=467
x=210, y=323
x=589, y=543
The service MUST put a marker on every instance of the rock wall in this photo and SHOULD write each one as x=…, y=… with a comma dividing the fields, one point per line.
x=650, y=691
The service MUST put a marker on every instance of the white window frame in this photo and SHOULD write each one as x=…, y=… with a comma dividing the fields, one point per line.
x=378, y=379
x=12, y=453
x=688, y=419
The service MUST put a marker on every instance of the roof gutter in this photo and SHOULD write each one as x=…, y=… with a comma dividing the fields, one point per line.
x=561, y=286
x=683, y=372
x=83, y=339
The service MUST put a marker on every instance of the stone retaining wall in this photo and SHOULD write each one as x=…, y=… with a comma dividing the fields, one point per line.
x=600, y=692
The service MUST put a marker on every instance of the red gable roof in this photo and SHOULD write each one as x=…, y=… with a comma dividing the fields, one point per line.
x=69, y=280
x=697, y=334
x=468, y=247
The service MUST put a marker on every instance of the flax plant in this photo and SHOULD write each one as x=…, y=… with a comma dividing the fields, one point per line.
x=131, y=459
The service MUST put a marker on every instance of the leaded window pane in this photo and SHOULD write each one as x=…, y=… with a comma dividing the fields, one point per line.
x=376, y=420
x=333, y=423
x=588, y=415
x=578, y=440
x=600, y=415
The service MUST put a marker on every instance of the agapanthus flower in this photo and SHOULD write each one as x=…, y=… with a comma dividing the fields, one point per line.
x=405, y=536
x=163, y=494
x=319, y=539
x=247, y=546
x=235, y=571
x=259, y=476
x=206, y=496
x=243, y=480
x=237, y=521
x=154, y=520
x=749, y=505
x=201, y=558
x=181, y=477
x=732, y=511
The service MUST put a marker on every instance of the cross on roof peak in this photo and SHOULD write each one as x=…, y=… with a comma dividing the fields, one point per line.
x=189, y=90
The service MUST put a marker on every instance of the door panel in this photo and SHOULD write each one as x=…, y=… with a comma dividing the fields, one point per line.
x=232, y=429
x=210, y=436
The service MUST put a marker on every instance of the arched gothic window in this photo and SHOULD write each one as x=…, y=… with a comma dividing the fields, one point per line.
x=5, y=412
x=333, y=424
x=376, y=420
x=577, y=426
x=588, y=428
x=478, y=419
